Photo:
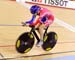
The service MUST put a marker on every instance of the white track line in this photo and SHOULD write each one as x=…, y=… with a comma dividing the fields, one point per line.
x=60, y=22
x=64, y=24
x=22, y=2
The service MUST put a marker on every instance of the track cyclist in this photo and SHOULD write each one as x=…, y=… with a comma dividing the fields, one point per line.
x=45, y=18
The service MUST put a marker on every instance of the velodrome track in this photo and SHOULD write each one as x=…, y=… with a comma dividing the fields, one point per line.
x=14, y=13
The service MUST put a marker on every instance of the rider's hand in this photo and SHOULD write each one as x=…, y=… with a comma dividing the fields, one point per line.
x=23, y=23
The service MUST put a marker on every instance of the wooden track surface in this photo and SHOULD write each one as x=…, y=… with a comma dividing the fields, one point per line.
x=14, y=13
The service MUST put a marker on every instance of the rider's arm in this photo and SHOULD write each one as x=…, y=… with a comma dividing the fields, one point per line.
x=36, y=22
x=31, y=21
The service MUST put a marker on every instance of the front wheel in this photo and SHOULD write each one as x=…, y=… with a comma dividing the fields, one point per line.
x=25, y=42
x=50, y=40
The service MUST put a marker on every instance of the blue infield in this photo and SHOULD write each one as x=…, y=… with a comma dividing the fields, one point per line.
x=62, y=58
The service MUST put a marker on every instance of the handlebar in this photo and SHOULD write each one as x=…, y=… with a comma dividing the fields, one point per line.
x=33, y=27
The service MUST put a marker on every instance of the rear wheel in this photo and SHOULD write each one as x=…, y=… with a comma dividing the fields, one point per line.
x=50, y=41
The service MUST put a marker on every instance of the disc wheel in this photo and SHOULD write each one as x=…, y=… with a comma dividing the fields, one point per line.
x=25, y=42
x=50, y=41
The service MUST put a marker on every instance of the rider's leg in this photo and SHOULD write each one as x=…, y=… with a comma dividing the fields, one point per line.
x=41, y=33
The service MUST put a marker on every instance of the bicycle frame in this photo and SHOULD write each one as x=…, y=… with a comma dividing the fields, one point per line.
x=35, y=34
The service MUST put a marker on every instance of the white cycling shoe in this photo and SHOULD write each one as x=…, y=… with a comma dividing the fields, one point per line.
x=39, y=44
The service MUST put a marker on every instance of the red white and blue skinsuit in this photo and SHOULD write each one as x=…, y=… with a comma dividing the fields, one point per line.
x=45, y=17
